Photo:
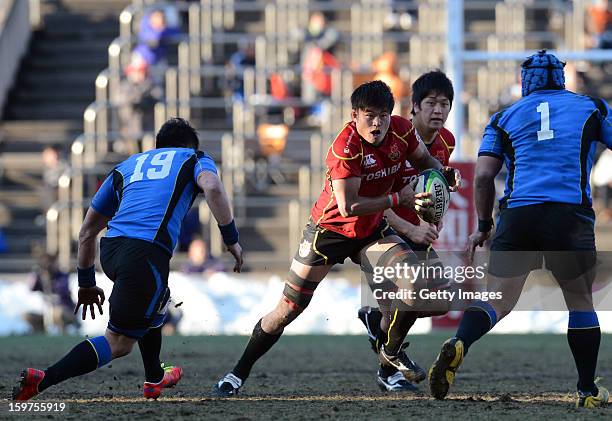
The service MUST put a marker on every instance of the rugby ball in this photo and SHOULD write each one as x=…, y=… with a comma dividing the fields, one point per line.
x=434, y=182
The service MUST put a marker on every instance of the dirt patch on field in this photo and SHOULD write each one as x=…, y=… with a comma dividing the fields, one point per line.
x=314, y=377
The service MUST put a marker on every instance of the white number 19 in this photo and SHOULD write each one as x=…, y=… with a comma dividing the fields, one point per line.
x=161, y=162
x=544, y=133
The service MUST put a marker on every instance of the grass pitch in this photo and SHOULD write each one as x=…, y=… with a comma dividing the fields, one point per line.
x=313, y=377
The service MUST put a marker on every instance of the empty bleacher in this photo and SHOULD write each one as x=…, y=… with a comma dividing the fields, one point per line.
x=271, y=196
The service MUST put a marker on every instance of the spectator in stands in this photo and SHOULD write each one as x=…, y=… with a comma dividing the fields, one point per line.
x=319, y=34
x=200, y=260
x=5, y=220
x=317, y=62
x=53, y=283
x=599, y=18
x=385, y=68
x=137, y=97
x=54, y=165
x=156, y=33
x=244, y=57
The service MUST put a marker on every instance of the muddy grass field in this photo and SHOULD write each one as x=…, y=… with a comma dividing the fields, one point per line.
x=313, y=377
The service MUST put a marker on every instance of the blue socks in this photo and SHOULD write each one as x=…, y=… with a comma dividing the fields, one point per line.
x=477, y=320
x=85, y=357
x=584, y=337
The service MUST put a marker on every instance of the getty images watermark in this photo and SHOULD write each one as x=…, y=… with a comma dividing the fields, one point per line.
x=430, y=282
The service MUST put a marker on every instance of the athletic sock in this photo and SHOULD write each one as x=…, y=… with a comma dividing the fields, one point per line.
x=83, y=358
x=477, y=320
x=584, y=337
x=150, y=347
x=259, y=343
x=401, y=321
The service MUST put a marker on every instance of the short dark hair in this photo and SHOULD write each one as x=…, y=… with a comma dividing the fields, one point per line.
x=429, y=83
x=178, y=133
x=373, y=95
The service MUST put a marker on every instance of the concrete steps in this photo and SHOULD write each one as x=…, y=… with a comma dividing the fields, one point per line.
x=54, y=86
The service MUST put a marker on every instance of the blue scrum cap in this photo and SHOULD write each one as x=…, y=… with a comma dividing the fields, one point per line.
x=542, y=71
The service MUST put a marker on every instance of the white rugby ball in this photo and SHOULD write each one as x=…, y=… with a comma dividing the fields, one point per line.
x=434, y=182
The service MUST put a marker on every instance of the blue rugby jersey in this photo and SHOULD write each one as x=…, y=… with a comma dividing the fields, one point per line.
x=148, y=194
x=547, y=141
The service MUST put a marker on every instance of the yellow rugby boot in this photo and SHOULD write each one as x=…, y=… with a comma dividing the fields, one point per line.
x=442, y=371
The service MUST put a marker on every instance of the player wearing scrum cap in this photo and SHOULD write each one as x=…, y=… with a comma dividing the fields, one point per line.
x=545, y=212
x=347, y=220
x=432, y=97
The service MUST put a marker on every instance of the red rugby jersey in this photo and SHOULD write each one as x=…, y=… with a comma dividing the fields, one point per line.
x=441, y=148
x=378, y=166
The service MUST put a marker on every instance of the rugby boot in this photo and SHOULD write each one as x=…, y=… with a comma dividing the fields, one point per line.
x=588, y=400
x=228, y=386
x=410, y=370
x=442, y=371
x=172, y=375
x=28, y=384
x=371, y=318
x=394, y=383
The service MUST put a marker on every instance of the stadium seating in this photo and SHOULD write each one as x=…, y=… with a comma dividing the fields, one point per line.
x=272, y=196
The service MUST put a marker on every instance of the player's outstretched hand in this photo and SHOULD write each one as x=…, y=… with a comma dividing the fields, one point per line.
x=236, y=251
x=476, y=239
x=89, y=297
x=453, y=177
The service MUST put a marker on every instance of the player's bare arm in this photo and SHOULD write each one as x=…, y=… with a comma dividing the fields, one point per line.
x=350, y=203
x=217, y=201
x=425, y=233
x=487, y=167
x=92, y=225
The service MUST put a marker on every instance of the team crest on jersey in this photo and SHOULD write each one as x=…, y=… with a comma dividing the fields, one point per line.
x=369, y=160
x=395, y=153
x=305, y=248
x=440, y=157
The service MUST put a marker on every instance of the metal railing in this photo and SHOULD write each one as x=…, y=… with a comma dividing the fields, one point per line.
x=209, y=23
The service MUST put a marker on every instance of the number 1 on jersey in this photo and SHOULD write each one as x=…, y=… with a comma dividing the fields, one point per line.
x=544, y=133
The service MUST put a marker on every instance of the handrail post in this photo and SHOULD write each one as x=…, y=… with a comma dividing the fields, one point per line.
x=294, y=225
x=304, y=186
x=159, y=115
x=52, y=229
x=64, y=221
x=89, y=132
x=195, y=81
x=102, y=126
x=77, y=186
x=171, y=92
x=184, y=96
x=206, y=27
x=316, y=163
x=114, y=70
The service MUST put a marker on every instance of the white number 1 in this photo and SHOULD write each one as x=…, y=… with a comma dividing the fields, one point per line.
x=544, y=133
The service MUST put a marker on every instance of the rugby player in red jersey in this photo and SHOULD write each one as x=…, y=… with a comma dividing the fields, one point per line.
x=432, y=97
x=347, y=220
